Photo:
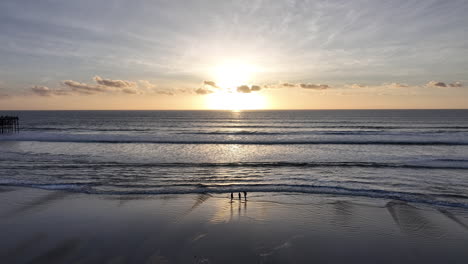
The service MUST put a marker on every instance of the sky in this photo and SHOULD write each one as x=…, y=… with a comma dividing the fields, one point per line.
x=148, y=54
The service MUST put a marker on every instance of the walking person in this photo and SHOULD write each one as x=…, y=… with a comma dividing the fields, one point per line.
x=239, y=196
x=245, y=196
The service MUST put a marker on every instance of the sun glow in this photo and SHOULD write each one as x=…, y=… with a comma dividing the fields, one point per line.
x=229, y=75
x=235, y=101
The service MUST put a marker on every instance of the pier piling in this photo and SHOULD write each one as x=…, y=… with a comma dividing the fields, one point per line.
x=9, y=124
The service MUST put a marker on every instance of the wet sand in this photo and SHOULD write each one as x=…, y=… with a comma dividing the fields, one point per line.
x=40, y=226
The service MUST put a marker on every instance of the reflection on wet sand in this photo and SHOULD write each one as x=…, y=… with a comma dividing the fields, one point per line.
x=124, y=199
x=284, y=246
x=225, y=211
x=212, y=229
x=6, y=189
x=59, y=253
x=157, y=258
x=40, y=202
x=21, y=249
x=410, y=220
x=199, y=200
x=343, y=212
x=453, y=218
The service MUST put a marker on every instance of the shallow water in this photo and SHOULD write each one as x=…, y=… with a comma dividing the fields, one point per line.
x=410, y=155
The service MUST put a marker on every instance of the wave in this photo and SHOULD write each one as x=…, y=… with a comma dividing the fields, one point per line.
x=78, y=164
x=190, y=125
x=127, y=139
x=75, y=129
x=244, y=132
x=389, y=127
x=421, y=198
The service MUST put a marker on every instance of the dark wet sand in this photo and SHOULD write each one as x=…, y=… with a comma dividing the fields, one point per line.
x=39, y=226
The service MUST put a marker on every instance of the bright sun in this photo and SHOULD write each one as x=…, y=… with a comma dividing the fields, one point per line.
x=232, y=74
x=228, y=76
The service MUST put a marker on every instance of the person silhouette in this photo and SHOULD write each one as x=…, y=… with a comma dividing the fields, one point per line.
x=232, y=196
x=239, y=196
x=245, y=196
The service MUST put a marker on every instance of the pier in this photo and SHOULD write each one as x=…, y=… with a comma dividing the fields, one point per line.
x=9, y=124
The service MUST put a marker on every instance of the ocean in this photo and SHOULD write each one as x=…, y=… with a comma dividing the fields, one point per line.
x=418, y=156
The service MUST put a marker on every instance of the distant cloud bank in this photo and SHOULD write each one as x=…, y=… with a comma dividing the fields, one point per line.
x=203, y=91
x=247, y=89
x=109, y=86
x=443, y=84
x=102, y=86
x=314, y=86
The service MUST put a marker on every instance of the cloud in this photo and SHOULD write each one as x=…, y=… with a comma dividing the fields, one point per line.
x=41, y=90
x=456, y=84
x=299, y=85
x=147, y=84
x=129, y=91
x=84, y=88
x=255, y=88
x=357, y=86
x=203, y=91
x=289, y=85
x=397, y=85
x=436, y=84
x=314, y=86
x=165, y=92
x=46, y=91
x=102, y=86
x=243, y=89
x=114, y=83
x=247, y=89
x=210, y=83
x=443, y=84
x=150, y=88
x=105, y=86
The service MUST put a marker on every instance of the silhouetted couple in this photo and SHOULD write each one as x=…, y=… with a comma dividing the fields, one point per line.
x=245, y=196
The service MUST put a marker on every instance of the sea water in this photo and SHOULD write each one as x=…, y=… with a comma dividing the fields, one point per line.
x=410, y=155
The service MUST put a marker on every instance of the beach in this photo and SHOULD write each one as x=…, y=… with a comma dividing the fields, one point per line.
x=50, y=226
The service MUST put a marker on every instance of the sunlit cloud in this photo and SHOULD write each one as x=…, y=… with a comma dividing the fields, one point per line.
x=396, y=85
x=456, y=84
x=84, y=87
x=210, y=83
x=46, y=91
x=129, y=91
x=314, y=86
x=436, y=84
x=41, y=90
x=203, y=91
x=357, y=86
x=104, y=86
x=298, y=85
x=247, y=89
x=147, y=87
x=444, y=85
x=114, y=83
x=255, y=88
x=243, y=89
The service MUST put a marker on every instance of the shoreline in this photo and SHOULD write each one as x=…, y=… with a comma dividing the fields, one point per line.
x=332, y=191
x=46, y=226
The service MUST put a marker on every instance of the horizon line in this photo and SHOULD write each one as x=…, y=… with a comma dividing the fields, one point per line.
x=239, y=110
